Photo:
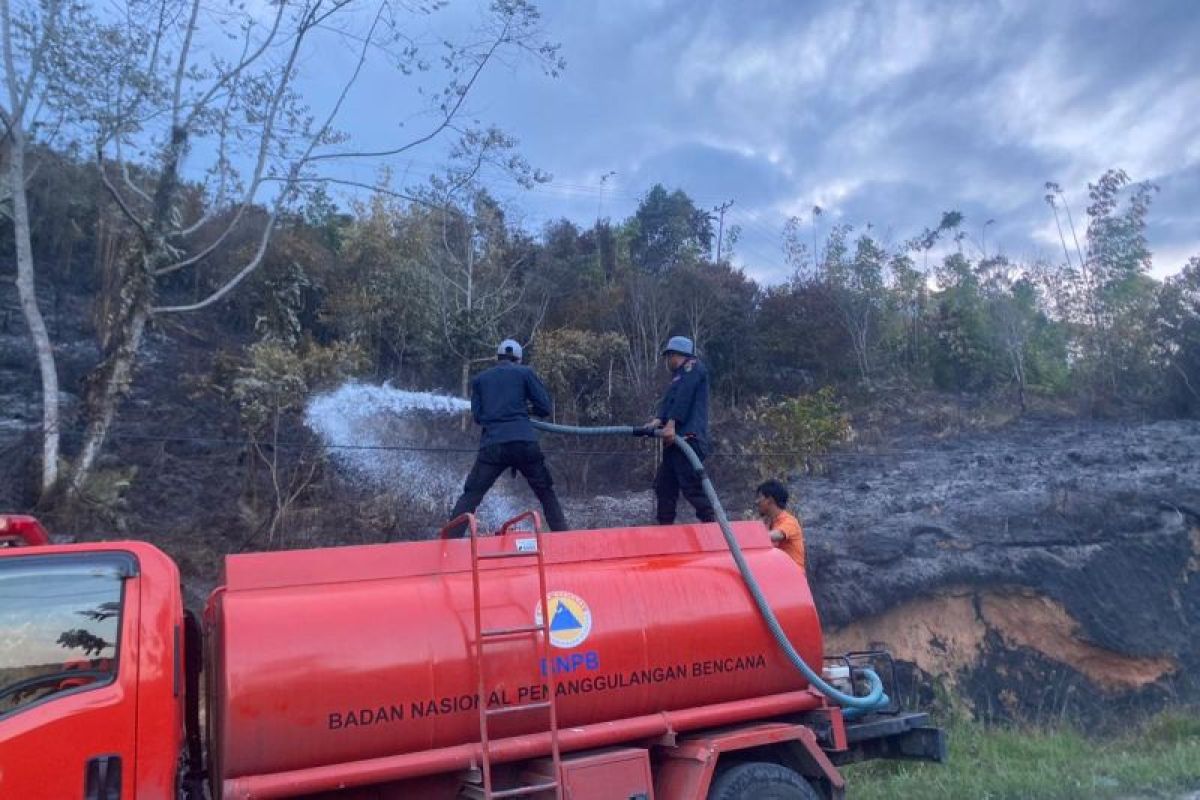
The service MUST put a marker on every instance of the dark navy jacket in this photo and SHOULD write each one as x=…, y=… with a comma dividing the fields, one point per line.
x=686, y=401
x=501, y=399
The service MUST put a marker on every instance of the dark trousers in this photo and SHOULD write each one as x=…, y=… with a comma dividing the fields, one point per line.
x=675, y=476
x=490, y=464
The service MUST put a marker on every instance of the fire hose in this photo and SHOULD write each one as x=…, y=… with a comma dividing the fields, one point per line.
x=875, y=697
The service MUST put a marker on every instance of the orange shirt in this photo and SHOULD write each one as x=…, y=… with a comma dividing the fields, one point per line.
x=793, y=536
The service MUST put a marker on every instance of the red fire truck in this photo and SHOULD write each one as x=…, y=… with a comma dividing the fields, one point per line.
x=615, y=664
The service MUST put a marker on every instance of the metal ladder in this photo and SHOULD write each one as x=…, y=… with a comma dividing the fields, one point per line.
x=488, y=636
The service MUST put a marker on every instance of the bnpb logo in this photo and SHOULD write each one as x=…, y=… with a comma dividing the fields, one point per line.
x=570, y=619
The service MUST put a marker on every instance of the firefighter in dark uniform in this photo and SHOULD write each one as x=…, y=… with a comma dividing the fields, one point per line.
x=501, y=400
x=682, y=412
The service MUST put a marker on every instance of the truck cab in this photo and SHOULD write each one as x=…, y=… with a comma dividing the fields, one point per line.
x=91, y=668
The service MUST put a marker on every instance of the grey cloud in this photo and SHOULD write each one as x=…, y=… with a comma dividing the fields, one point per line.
x=710, y=172
x=891, y=112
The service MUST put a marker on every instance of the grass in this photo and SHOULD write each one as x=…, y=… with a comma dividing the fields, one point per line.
x=1160, y=759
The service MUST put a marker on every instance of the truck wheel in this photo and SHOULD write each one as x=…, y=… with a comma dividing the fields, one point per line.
x=761, y=780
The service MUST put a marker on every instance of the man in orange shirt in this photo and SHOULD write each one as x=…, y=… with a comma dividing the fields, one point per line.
x=771, y=503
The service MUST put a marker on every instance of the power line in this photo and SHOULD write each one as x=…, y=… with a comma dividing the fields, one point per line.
x=410, y=447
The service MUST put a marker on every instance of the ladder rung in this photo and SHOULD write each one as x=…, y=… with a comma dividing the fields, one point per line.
x=548, y=783
x=521, y=791
x=488, y=633
x=516, y=709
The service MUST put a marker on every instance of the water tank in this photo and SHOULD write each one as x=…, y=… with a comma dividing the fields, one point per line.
x=327, y=656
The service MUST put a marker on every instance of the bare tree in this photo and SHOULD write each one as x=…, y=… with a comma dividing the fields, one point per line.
x=165, y=83
x=858, y=290
x=700, y=305
x=1086, y=296
x=910, y=294
x=476, y=276
x=645, y=320
x=35, y=36
x=796, y=254
x=1011, y=297
x=289, y=480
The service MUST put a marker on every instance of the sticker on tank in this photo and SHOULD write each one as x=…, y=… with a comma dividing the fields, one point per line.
x=570, y=619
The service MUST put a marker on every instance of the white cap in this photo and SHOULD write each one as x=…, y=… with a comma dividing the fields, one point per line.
x=509, y=347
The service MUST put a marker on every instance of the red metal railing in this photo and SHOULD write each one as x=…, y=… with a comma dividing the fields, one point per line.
x=21, y=530
x=510, y=525
x=485, y=636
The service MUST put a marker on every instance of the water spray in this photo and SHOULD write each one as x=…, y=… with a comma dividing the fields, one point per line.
x=356, y=422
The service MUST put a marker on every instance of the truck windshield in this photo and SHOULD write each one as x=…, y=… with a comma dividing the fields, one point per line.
x=59, y=624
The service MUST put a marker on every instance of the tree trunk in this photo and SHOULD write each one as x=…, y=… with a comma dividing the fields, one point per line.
x=1018, y=361
x=123, y=326
x=27, y=291
x=110, y=382
x=859, y=335
x=465, y=377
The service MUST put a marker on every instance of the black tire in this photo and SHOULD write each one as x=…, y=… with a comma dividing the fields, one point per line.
x=761, y=780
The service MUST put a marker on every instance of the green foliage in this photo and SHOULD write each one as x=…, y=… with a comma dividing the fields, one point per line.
x=716, y=306
x=799, y=340
x=579, y=368
x=381, y=295
x=1177, y=337
x=1116, y=239
x=795, y=430
x=418, y=294
x=962, y=357
x=1027, y=763
x=269, y=386
x=857, y=287
x=668, y=229
x=990, y=329
x=1117, y=296
x=279, y=316
x=908, y=307
x=321, y=214
x=275, y=378
x=107, y=488
x=1042, y=340
x=575, y=269
x=1174, y=727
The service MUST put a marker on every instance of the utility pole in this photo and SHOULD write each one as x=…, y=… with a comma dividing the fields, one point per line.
x=600, y=202
x=720, y=210
x=599, y=206
x=816, y=215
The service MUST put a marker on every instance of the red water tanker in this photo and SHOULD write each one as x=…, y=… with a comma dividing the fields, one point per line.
x=427, y=669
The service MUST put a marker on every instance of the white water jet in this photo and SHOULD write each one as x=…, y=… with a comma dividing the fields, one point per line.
x=363, y=426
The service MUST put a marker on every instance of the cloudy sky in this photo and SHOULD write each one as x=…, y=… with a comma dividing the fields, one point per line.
x=886, y=113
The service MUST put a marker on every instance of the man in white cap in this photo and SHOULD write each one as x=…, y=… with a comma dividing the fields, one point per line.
x=682, y=412
x=501, y=400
